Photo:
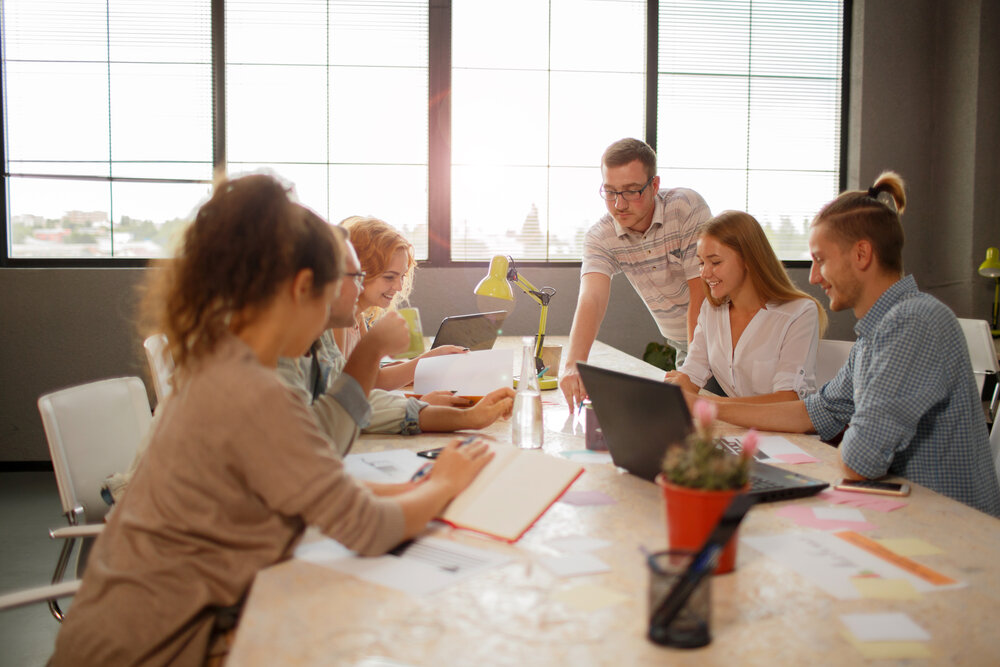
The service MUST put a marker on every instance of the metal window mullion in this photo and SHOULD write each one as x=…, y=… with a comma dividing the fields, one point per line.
x=219, y=159
x=439, y=133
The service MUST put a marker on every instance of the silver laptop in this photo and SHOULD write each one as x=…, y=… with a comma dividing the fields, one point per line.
x=476, y=331
x=640, y=418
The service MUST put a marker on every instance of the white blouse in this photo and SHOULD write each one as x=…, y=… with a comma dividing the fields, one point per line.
x=777, y=351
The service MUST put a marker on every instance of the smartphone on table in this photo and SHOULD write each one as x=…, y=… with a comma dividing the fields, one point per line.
x=873, y=486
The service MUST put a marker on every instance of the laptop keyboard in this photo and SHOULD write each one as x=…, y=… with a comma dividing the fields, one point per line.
x=732, y=445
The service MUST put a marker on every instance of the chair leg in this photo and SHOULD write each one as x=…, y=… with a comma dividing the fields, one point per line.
x=64, y=556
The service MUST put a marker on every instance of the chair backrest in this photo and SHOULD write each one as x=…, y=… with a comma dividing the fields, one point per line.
x=831, y=355
x=995, y=446
x=981, y=351
x=93, y=430
x=161, y=364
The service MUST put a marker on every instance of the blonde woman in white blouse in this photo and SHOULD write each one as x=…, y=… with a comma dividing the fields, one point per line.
x=757, y=333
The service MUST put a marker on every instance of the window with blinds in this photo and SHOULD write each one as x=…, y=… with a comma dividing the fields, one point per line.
x=748, y=108
x=107, y=124
x=332, y=96
x=111, y=140
x=539, y=89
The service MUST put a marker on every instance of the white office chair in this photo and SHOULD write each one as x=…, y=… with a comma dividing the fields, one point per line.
x=93, y=431
x=161, y=364
x=831, y=355
x=984, y=361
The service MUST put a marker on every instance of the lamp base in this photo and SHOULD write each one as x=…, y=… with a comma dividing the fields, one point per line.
x=544, y=383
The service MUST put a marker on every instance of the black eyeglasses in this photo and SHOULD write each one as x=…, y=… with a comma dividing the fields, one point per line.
x=627, y=195
x=359, y=278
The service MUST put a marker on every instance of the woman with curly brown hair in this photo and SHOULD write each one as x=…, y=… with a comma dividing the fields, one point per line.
x=236, y=466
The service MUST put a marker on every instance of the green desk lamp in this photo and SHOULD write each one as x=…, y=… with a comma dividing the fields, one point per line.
x=991, y=269
x=497, y=283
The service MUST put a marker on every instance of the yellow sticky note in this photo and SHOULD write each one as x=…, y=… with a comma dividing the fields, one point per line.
x=589, y=597
x=889, y=650
x=885, y=589
x=910, y=546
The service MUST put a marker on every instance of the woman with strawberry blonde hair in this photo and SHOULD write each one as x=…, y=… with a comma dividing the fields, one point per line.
x=387, y=260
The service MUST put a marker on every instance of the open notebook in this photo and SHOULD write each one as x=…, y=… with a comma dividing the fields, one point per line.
x=511, y=493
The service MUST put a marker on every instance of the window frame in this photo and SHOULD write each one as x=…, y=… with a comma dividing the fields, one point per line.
x=439, y=140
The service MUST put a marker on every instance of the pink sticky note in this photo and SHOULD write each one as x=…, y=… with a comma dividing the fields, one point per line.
x=863, y=500
x=803, y=516
x=797, y=458
x=587, y=498
x=881, y=504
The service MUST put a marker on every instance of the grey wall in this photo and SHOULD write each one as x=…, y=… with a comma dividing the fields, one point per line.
x=924, y=91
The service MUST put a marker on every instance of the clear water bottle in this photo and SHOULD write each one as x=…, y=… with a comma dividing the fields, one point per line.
x=527, y=425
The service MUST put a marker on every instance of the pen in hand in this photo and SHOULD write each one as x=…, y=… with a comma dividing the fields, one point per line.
x=425, y=469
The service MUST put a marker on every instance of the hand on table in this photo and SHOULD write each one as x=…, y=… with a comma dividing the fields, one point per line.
x=456, y=466
x=444, y=349
x=445, y=398
x=572, y=387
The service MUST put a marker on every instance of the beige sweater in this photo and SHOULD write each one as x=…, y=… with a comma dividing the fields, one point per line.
x=234, y=471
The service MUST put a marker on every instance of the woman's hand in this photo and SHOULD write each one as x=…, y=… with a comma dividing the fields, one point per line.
x=492, y=406
x=444, y=349
x=682, y=381
x=456, y=466
x=445, y=398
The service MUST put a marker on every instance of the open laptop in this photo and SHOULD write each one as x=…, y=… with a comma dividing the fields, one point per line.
x=641, y=417
x=476, y=331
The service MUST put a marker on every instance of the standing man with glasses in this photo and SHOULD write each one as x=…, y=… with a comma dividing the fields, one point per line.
x=650, y=235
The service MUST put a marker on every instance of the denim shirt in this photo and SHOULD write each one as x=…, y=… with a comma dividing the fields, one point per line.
x=908, y=398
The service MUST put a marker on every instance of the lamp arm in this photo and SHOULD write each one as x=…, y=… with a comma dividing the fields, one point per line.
x=540, y=338
x=527, y=288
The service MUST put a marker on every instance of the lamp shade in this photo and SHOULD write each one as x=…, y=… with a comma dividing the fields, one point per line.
x=991, y=267
x=495, y=283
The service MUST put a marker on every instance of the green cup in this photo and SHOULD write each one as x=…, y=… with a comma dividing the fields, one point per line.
x=412, y=317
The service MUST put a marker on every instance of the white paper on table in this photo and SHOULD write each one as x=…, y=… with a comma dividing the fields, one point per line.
x=393, y=466
x=428, y=565
x=838, y=514
x=469, y=374
x=831, y=563
x=776, y=445
x=577, y=543
x=887, y=627
x=574, y=565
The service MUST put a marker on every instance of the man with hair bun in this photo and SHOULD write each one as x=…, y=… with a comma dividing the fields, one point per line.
x=906, y=400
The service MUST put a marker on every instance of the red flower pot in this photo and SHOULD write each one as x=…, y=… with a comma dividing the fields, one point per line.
x=691, y=516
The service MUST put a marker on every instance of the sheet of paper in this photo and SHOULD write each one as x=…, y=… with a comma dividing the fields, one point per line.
x=831, y=563
x=803, y=515
x=470, y=374
x=796, y=458
x=877, y=588
x=394, y=466
x=587, y=456
x=884, y=627
x=776, y=445
x=868, y=501
x=428, y=565
x=587, y=498
x=589, y=597
x=577, y=543
x=910, y=546
x=838, y=513
x=890, y=650
x=574, y=565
